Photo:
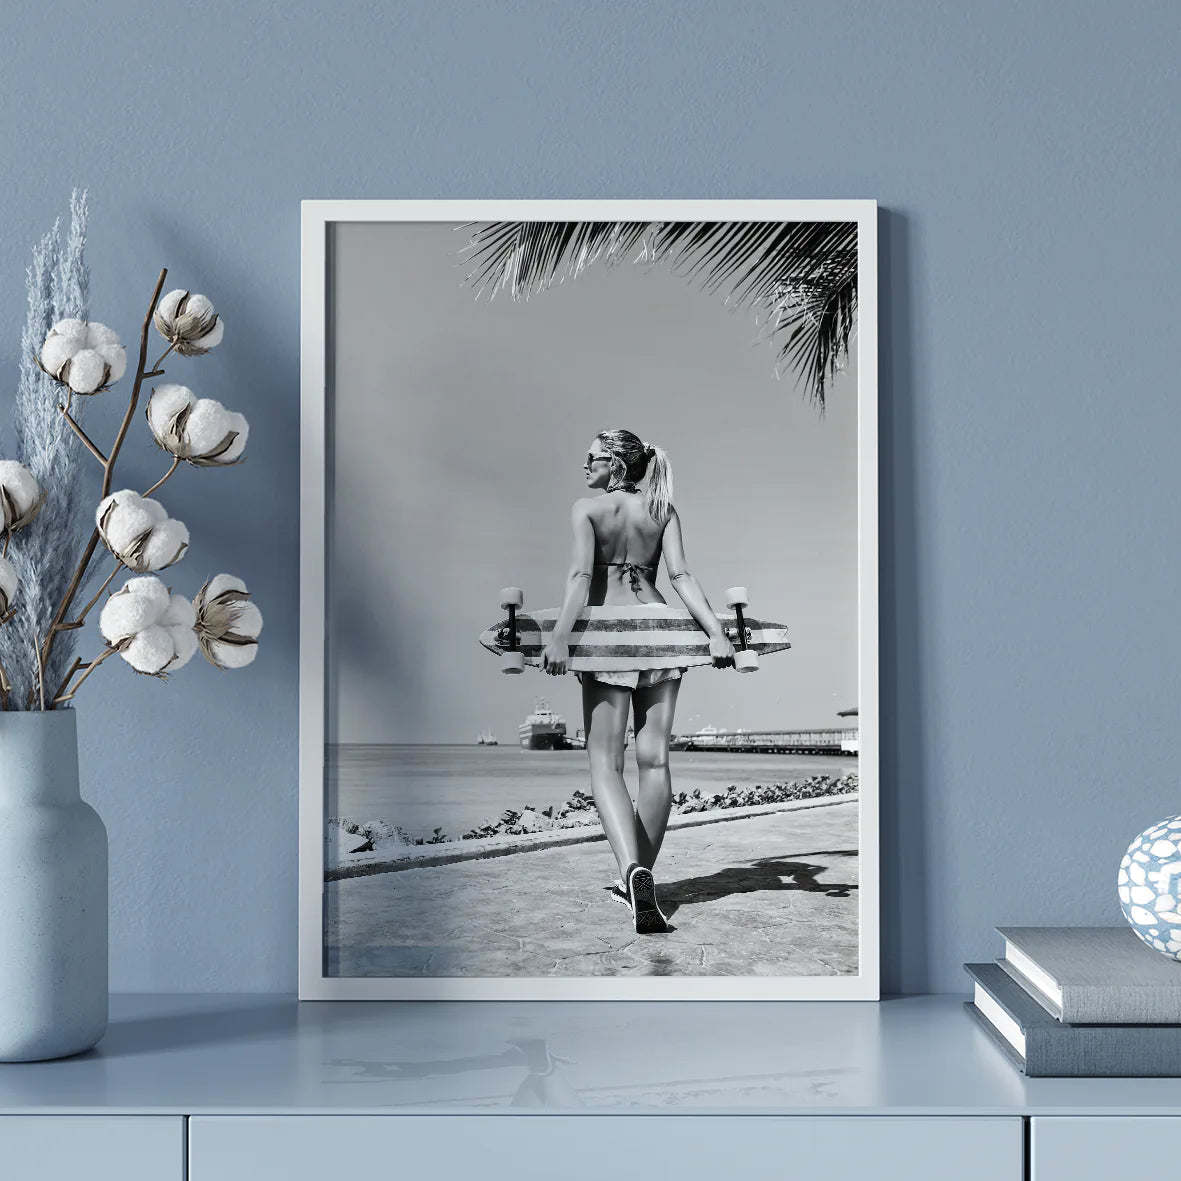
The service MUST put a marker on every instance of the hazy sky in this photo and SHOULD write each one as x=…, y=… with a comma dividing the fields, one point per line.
x=460, y=430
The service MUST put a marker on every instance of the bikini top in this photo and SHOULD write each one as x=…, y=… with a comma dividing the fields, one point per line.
x=632, y=570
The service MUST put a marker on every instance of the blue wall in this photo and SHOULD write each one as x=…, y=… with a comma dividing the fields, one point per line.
x=1025, y=158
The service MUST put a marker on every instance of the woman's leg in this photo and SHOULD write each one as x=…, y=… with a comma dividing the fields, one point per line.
x=604, y=714
x=654, y=723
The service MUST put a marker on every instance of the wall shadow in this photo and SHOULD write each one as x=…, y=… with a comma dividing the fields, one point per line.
x=254, y=1020
x=903, y=873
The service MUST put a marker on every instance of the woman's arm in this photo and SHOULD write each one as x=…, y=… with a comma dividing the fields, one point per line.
x=691, y=593
x=557, y=651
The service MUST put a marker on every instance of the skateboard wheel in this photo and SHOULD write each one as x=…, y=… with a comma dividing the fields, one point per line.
x=736, y=597
x=511, y=597
x=746, y=661
x=512, y=662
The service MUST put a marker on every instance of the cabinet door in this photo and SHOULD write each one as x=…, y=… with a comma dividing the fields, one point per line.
x=91, y=1148
x=591, y=1148
x=1099, y=1148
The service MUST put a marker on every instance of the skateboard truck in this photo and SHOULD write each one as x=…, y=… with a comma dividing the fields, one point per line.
x=512, y=660
x=746, y=659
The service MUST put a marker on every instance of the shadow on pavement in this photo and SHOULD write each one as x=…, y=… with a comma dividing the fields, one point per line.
x=788, y=872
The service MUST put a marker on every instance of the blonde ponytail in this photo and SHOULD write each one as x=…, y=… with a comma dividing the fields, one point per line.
x=631, y=461
x=660, y=484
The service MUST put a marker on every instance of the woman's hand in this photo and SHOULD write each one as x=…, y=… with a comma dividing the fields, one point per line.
x=555, y=658
x=721, y=650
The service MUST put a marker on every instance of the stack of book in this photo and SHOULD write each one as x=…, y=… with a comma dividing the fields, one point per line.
x=1081, y=1002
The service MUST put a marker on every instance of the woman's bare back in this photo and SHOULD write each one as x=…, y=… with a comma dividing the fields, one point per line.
x=627, y=550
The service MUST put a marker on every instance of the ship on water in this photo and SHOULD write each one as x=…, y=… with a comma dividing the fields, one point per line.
x=851, y=743
x=543, y=729
x=487, y=738
x=704, y=737
x=578, y=742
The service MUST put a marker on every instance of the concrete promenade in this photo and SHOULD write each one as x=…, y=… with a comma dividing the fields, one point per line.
x=774, y=894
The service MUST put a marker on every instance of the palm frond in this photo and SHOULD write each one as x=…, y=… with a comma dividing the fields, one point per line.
x=528, y=256
x=799, y=277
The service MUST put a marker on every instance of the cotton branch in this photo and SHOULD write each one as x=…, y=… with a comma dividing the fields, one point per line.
x=60, y=698
x=83, y=436
x=108, y=475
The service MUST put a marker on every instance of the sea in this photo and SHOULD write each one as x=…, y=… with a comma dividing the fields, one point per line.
x=458, y=788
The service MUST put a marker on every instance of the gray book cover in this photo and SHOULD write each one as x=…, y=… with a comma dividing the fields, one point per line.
x=1052, y=1049
x=1094, y=975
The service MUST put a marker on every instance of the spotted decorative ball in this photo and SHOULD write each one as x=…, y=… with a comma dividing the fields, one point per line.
x=1150, y=886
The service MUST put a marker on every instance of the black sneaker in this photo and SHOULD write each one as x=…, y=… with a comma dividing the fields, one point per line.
x=617, y=892
x=641, y=889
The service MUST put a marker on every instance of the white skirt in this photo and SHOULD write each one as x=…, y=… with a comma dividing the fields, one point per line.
x=634, y=678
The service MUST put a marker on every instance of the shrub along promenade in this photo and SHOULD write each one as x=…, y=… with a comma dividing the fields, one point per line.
x=377, y=846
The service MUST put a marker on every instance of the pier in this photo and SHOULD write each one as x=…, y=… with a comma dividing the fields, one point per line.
x=844, y=741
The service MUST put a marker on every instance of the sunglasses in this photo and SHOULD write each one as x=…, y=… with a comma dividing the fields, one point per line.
x=592, y=459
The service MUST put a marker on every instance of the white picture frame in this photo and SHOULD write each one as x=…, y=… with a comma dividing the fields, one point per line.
x=319, y=221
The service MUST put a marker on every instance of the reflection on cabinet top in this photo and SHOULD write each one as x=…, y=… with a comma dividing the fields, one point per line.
x=227, y=1054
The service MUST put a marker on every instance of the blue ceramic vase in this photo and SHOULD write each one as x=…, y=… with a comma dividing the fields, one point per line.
x=53, y=893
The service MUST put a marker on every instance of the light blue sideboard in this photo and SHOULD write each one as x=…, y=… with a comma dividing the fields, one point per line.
x=262, y=1088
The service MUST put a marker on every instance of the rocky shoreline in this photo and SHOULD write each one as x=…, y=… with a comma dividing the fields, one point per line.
x=579, y=811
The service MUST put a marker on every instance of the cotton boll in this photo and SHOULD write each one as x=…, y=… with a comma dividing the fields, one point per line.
x=115, y=356
x=166, y=308
x=184, y=641
x=188, y=322
x=141, y=603
x=151, y=651
x=123, y=616
x=238, y=424
x=207, y=430
x=56, y=351
x=180, y=613
x=207, y=426
x=124, y=517
x=8, y=585
x=211, y=339
x=86, y=372
x=220, y=583
x=74, y=331
x=139, y=532
x=166, y=545
x=248, y=621
x=199, y=306
x=154, y=508
x=166, y=402
x=200, y=437
x=98, y=335
x=227, y=624
x=110, y=502
x=233, y=655
x=150, y=587
x=20, y=484
x=93, y=353
x=128, y=499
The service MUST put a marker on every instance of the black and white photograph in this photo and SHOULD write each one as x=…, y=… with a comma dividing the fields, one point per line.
x=589, y=618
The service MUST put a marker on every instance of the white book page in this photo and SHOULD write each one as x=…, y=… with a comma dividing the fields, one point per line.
x=1000, y=1020
x=1040, y=979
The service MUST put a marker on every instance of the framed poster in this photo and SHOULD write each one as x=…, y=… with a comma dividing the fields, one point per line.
x=589, y=641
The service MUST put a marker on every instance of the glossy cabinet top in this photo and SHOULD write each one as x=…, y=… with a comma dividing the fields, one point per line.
x=237, y=1054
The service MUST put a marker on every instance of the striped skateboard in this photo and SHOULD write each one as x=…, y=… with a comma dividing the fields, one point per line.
x=644, y=636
